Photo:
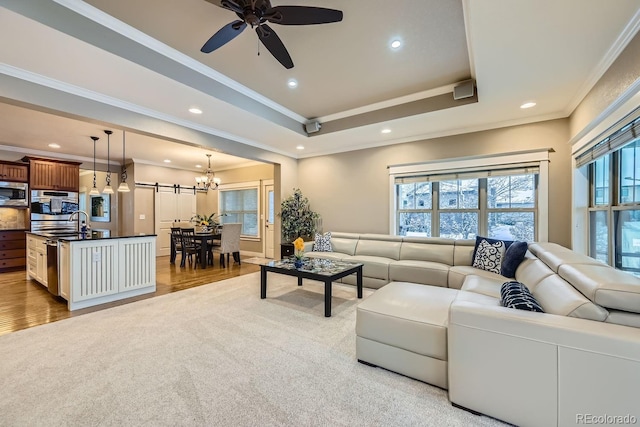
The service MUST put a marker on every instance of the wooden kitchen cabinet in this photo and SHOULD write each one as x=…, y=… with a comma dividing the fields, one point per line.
x=12, y=250
x=15, y=172
x=53, y=175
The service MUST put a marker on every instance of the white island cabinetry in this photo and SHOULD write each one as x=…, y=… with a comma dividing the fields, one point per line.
x=98, y=271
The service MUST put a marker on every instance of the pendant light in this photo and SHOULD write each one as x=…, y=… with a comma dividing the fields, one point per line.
x=123, y=187
x=208, y=180
x=94, y=191
x=107, y=189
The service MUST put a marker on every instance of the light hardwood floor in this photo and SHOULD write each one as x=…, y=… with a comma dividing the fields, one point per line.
x=25, y=303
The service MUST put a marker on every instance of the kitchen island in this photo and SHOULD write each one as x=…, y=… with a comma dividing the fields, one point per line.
x=103, y=269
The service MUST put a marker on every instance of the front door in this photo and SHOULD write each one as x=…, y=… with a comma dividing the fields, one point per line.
x=269, y=222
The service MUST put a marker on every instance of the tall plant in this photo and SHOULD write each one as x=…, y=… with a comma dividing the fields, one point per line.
x=298, y=220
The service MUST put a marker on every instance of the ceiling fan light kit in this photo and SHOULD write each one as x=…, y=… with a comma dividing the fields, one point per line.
x=257, y=13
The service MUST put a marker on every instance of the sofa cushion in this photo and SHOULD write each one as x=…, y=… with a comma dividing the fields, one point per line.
x=463, y=251
x=373, y=266
x=379, y=245
x=344, y=242
x=531, y=271
x=424, y=272
x=555, y=255
x=483, y=285
x=427, y=249
x=407, y=316
x=558, y=297
x=516, y=295
x=604, y=285
x=513, y=256
x=489, y=256
x=322, y=242
x=458, y=274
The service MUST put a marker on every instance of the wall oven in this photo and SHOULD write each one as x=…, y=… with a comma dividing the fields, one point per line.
x=14, y=194
x=51, y=210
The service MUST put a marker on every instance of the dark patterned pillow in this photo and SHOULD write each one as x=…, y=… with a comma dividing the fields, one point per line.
x=489, y=256
x=322, y=242
x=516, y=295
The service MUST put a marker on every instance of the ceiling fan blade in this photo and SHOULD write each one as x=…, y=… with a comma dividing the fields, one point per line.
x=302, y=15
x=231, y=5
x=272, y=42
x=227, y=4
x=223, y=36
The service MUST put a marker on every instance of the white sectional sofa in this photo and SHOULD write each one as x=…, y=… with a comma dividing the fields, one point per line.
x=436, y=318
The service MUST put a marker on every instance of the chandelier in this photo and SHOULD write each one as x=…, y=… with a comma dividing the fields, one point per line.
x=208, y=180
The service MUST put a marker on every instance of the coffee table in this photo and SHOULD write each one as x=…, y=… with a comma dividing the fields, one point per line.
x=322, y=270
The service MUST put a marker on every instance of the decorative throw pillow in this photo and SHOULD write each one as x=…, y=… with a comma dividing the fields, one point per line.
x=489, y=256
x=517, y=295
x=513, y=256
x=479, y=239
x=322, y=242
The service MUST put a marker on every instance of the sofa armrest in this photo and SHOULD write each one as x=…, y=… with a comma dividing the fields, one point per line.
x=540, y=369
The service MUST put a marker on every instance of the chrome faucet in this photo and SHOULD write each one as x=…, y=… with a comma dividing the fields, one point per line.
x=79, y=212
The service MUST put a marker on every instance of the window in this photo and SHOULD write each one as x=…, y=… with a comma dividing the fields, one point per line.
x=240, y=205
x=414, y=208
x=458, y=216
x=502, y=206
x=511, y=207
x=614, y=207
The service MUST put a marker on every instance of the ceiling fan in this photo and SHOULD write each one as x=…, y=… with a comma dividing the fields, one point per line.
x=257, y=13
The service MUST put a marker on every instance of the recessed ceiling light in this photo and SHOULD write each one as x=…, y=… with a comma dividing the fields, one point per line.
x=386, y=130
x=395, y=44
x=198, y=166
x=300, y=147
x=195, y=110
x=292, y=83
x=54, y=145
x=167, y=161
x=528, y=105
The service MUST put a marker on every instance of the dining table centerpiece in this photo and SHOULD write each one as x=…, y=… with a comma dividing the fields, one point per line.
x=206, y=223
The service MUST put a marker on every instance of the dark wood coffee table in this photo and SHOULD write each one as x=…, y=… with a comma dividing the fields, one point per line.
x=327, y=271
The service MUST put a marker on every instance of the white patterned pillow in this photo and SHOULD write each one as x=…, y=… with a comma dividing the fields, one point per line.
x=489, y=256
x=322, y=242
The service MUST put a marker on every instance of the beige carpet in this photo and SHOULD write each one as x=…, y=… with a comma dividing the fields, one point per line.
x=212, y=355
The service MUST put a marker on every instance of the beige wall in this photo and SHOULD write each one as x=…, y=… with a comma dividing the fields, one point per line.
x=616, y=80
x=351, y=190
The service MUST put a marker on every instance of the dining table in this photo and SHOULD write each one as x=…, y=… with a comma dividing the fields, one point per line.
x=204, y=238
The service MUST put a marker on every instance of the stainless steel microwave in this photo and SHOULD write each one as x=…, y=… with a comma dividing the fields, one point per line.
x=14, y=194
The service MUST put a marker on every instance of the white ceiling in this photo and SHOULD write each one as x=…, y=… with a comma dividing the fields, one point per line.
x=143, y=56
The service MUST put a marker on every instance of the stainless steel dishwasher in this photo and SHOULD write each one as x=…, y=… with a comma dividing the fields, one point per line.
x=52, y=266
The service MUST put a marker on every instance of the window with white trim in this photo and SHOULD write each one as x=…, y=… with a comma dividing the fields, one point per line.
x=240, y=205
x=502, y=207
x=474, y=197
x=614, y=198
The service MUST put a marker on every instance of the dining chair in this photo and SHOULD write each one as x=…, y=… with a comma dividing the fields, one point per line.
x=176, y=241
x=189, y=247
x=229, y=243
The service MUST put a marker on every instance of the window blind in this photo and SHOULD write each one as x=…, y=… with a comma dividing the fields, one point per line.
x=628, y=133
x=505, y=170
